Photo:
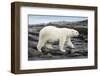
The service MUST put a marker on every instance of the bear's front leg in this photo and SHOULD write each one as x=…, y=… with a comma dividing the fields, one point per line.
x=61, y=44
x=70, y=44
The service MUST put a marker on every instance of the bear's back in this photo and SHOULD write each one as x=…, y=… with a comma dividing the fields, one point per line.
x=49, y=29
x=50, y=32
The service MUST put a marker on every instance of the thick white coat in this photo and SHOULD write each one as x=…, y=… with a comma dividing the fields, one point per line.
x=52, y=33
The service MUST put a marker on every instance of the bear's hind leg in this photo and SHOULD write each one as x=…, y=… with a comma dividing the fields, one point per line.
x=41, y=43
x=39, y=48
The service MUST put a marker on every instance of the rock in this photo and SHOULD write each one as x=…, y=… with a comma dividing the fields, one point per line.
x=32, y=44
x=32, y=37
x=83, y=53
x=32, y=52
x=74, y=55
x=34, y=33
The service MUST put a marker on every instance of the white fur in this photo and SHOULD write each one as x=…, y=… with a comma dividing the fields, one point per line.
x=52, y=33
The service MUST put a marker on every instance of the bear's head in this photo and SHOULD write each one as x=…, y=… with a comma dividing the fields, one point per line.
x=70, y=32
x=74, y=33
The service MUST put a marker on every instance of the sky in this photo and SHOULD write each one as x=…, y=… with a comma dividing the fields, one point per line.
x=37, y=19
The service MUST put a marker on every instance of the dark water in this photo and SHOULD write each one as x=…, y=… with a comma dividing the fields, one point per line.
x=80, y=42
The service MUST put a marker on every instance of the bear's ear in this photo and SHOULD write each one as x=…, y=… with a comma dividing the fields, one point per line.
x=73, y=31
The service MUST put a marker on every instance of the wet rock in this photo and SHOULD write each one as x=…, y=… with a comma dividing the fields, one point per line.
x=32, y=37
x=74, y=55
x=34, y=33
x=32, y=52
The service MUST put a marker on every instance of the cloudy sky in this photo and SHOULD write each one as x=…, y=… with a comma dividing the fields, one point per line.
x=37, y=19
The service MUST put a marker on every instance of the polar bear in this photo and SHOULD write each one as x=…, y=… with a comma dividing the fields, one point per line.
x=52, y=33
